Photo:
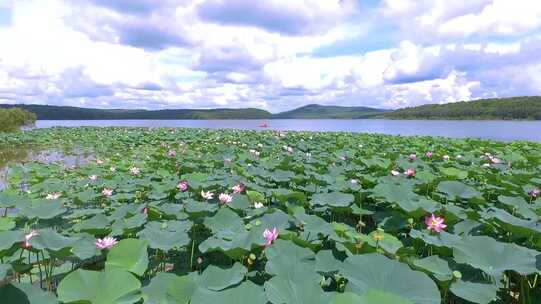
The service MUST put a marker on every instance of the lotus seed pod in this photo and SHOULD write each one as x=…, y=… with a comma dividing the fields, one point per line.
x=457, y=275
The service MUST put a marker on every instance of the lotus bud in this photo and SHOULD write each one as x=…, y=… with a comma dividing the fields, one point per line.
x=457, y=275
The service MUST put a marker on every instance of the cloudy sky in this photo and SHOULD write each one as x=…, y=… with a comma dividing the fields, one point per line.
x=272, y=54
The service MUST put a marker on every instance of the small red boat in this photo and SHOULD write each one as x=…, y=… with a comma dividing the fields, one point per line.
x=265, y=125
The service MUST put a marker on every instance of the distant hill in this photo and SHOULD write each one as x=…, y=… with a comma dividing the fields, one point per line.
x=314, y=111
x=45, y=112
x=513, y=108
x=518, y=108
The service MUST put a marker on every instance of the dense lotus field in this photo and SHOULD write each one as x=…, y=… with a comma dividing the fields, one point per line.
x=201, y=216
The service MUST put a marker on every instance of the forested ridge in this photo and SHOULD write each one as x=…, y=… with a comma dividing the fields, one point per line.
x=525, y=108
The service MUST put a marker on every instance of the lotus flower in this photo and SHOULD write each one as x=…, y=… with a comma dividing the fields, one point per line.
x=225, y=198
x=27, y=238
x=106, y=242
x=395, y=173
x=207, y=195
x=99, y=161
x=413, y=157
x=112, y=169
x=343, y=157
x=145, y=211
x=172, y=153
x=485, y=165
x=446, y=157
x=135, y=170
x=354, y=181
x=435, y=223
x=308, y=154
x=93, y=178
x=270, y=236
x=53, y=196
x=183, y=186
x=495, y=160
x=239, y=188
x=258, y=205
x=410, y=172
x=534, y=193
x=428, y=154
x=107, y=191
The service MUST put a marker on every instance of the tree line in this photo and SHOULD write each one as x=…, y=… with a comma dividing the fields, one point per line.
x=519, y=108
x=13, y=119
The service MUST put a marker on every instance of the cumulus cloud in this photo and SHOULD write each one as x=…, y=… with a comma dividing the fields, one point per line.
x=267, y=54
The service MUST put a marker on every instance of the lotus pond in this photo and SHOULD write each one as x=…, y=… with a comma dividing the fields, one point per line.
x=229, y=216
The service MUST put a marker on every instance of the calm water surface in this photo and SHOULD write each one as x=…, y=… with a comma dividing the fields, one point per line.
x=492, y=129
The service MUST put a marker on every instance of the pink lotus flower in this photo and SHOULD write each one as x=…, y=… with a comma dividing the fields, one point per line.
x=289, y=149
x=172, y=153
x=99, y=161
x=413, y=157
x=239, y=188
x=183, y=186
x=428, y=154
x=27, y=238
x=135, y=170
x=534, y=193
x=354, y=181
x=395, y=173
x=106, y=242
x=435, y=223
x=107, y=191
x=446, y=157
x=343, y=157
x=225, y=198
x=258, y=205
x=207, y=195
x=93, y=178
x=270, y=236
x=145, y=211
x=410, y=172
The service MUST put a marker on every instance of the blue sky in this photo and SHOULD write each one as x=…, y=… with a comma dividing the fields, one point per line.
x=274, y=54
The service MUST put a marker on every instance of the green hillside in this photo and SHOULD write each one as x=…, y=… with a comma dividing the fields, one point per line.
x=45, y=112
x=314, y=111
x=526, y=108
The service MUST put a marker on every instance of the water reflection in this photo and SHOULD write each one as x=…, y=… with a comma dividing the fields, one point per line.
x=12, y=156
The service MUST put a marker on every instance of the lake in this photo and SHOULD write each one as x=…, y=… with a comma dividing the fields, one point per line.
x=485, y=129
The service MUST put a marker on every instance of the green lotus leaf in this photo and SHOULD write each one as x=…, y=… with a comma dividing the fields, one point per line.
x=43, y=209
x=375, y=272
x=481, y=293
x=216, y=278
x=6, y=223
x=8, y=238
x=224, y=219
x=455, y=189
x=51, y=240
x=4, y=270
x=167, y=288
x=326, y=262
x=96, y=224
x=334, y=199
x=436, y=266
x=17, y=293
x=298, y=286
x=111, y=286
x=518, y=203
x=246, y=291
x=130, y=255
x=284, y=256
x=493, y=257
x=164, y=239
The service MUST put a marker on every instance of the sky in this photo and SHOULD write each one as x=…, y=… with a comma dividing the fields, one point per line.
x=274, y=54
